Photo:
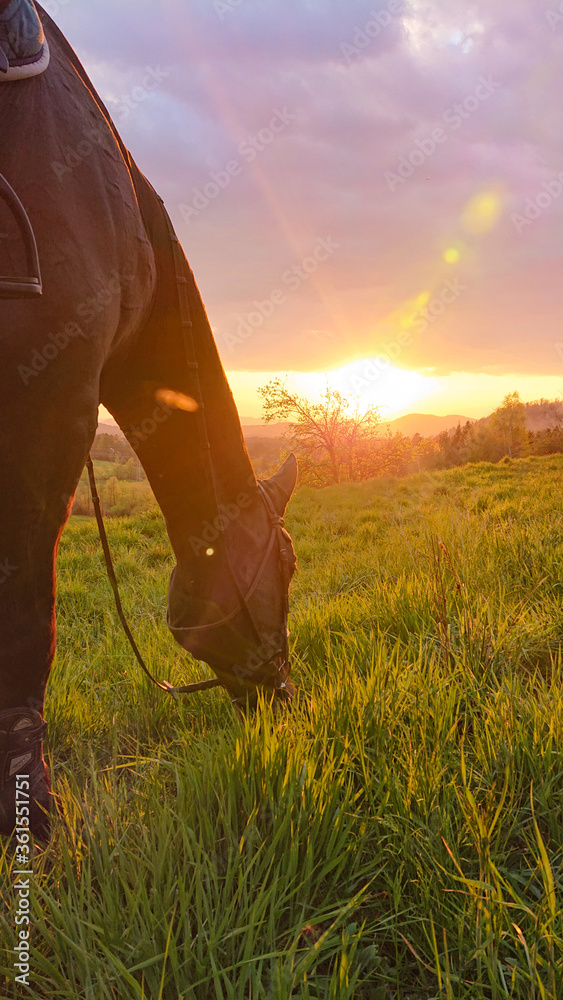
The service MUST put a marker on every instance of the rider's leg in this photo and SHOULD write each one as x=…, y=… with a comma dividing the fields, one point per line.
x=42, y=452
x=43, y=447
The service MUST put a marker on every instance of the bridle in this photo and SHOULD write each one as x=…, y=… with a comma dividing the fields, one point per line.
x=272, y=669
x=277, y=673
x=272, y=672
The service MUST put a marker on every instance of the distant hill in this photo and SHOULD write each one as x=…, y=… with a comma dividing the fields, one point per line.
x=251, y=428
x=264, y=430
x=540, y=416
x=107, y=427
x=543, y=414
x=425, y=424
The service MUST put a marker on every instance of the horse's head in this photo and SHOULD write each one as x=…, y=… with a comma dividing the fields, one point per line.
x=230, y=607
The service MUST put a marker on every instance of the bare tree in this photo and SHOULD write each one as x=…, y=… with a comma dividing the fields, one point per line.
x=333, y=439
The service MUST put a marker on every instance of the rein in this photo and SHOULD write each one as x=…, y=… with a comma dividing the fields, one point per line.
x=163, y=685
x=277, y=532
x=277, y=529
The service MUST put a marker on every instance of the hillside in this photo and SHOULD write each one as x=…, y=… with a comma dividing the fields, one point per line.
x=398, y=449
x=396, y=835
x=540, y=415
x=254, y=429
x=425, y=424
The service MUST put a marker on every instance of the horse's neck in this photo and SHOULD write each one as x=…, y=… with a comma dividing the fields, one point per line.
x=179, y=345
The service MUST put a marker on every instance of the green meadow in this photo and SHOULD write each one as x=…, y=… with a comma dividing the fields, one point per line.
x=397, y=834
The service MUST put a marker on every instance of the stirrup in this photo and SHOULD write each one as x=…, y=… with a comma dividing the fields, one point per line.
x=15, y=287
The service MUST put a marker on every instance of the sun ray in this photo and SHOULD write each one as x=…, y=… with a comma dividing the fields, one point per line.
x=297, y=234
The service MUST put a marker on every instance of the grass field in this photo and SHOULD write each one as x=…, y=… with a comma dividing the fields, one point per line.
x=399, y=834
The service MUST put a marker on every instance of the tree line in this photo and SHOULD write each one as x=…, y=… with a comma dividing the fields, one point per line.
x=335, y=441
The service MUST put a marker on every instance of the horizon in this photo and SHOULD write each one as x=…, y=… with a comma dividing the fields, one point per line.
x=248, y=420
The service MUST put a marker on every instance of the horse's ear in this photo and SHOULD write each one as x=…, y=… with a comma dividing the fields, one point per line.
x=281, y=485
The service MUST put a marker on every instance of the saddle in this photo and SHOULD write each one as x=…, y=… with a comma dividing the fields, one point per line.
x=24, y=51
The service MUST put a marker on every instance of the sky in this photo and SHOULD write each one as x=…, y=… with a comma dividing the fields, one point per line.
x=366, y=191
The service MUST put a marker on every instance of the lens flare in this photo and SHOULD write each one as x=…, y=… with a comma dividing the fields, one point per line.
x=482, y=213
x=451, y=255
x=177, y=400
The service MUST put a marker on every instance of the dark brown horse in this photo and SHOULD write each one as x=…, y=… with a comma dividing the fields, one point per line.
x=120, y=322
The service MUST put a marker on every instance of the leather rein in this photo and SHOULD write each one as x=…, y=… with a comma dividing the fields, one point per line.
x=277, y=532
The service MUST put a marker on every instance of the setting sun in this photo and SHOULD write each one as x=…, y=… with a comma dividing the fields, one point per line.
x=371, y=382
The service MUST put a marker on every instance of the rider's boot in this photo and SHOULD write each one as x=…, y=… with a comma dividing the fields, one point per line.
x=23, y=48
x=25, y=796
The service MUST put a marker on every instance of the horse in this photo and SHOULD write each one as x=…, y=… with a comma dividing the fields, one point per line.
x=120, y=322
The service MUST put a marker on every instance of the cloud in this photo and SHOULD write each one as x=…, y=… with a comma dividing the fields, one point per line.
x=351, y=118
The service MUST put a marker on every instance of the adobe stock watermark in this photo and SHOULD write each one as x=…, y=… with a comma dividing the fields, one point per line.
x=420, y=320
x=449, y=293
x=248, y=150
x=261, y=656
x=320, y=336
x=53, y=6
x=168, y=401
x=453, y=118
x=372, y=370
x=224, y=7
x=6, y=571
x=22, y=885
x=141, y=432
x=292, y=279
x=88, y=310
x=227, y=514
x=364, y=36
x=555, y=17
x=74, y=157
x=138, y=94
x=539, y=203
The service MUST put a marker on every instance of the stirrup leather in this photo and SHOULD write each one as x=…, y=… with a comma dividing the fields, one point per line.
x=15, y=287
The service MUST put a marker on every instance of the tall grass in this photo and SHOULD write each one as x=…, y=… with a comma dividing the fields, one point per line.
x=398, y=834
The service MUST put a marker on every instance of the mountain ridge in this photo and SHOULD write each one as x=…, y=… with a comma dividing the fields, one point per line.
x=540, y=415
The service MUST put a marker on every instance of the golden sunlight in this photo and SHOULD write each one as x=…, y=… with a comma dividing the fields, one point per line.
x=370, y=382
